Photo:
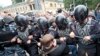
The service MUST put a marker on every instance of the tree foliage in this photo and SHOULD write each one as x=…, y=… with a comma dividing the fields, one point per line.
x=90, y=3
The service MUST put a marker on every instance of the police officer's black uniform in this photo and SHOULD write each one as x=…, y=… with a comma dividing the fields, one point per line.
x=7, y=32
x=85, y=27
x=23, y=32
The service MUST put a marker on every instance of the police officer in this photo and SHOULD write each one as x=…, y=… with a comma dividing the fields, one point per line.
x=1, y=26
x=8, y=35
x=25, y=35
x=44, y=29
x=64, y=32
x=62, y=49
x=97, y=15
x=43, y=25
x=87, y=31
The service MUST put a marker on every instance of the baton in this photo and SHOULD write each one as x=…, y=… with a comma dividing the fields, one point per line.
x=75, y=36
x=5, y=42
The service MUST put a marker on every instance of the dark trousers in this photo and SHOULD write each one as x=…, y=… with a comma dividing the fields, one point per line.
x=86, y=52
x=31, y=49
x=98, y=50
x=14, y=51
x=1, y=51
x=73, y=50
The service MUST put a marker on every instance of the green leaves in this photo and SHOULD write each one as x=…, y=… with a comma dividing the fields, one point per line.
x=90, y=3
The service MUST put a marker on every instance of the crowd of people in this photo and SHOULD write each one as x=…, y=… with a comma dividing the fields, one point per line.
x=73, y=33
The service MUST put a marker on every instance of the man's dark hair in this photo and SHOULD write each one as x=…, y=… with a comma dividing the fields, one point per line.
x=59, y=10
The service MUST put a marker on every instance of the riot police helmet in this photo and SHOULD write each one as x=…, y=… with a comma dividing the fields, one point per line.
x=8, y=19
x=43, y=23
x=61, y=22
x=21, y=21
x=80, y=13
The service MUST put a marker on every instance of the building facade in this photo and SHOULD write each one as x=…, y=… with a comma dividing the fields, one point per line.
x=25, y=6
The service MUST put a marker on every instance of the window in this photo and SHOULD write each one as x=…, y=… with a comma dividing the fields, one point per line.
x=33, y=6
x=51, y=5
x=9, y=10
x=26, y=7
x=60, y=5
x=20, y=9
x=55, y=4
x=18, y=1
x=30, y=6
x=13, y=9
x=16, y=9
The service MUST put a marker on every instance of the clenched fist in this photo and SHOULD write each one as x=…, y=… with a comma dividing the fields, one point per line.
x=19, y=41
x=62, y=39
x=87, y=38
x=72, y=35
x=30, y=37
x=29, y=42
x=13, y=39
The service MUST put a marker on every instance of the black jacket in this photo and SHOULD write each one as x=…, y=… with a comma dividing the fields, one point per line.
x=91, y=28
